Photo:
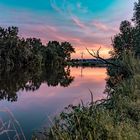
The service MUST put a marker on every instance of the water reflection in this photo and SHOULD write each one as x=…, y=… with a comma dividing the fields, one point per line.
x=34, y=105
x=30, y=79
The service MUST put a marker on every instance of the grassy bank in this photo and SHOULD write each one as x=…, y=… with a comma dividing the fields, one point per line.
x=117, y=117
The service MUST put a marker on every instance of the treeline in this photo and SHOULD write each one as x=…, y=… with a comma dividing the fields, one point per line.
x=16, y=51
x=31, y=78
x=26, y=63
x=118, y=116
x=124, y=43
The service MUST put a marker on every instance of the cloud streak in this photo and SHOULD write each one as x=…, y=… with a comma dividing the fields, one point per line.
x=67, y=20
x=78, y=22
x=54, y=6
x=103, y=27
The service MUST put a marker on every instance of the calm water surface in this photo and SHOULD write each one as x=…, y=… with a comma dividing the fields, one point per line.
x=33, y=109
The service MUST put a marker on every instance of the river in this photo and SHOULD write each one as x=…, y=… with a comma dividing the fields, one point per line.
x=33, y=109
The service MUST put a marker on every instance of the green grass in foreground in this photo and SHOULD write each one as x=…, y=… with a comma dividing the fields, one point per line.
x=116, y=118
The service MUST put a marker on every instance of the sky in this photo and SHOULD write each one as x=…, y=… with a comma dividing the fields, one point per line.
x=84, y=23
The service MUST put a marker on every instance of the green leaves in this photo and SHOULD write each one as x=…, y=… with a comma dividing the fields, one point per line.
x=118, y=117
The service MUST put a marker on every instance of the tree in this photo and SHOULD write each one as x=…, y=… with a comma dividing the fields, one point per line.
x=136, y=19
x=21, y=52
x=136, y=15
x=60, y=52
x=124, y=40
x=67, y=50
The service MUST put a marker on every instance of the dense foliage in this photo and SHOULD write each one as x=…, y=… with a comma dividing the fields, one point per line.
x=16, y=51
x=128, y=40
x=31, y=78
x=32, y=63
x=118, y=116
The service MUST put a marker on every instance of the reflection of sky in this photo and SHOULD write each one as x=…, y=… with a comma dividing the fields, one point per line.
x=84, y=23
x=33, y=108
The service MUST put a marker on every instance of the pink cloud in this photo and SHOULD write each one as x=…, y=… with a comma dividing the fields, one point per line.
x=62, y=37
x=99, y=25
x=52, y=28
x=102, y=26
x=48, y=33
x=104, y=52
x=78, y=22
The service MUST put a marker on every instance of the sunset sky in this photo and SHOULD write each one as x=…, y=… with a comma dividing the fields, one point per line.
x=84, y=23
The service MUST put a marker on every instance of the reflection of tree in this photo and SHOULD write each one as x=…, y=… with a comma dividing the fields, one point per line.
x=30, y=79
x=58, y=75
x=19, y=53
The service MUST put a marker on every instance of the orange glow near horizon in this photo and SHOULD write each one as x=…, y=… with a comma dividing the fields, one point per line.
x=79, y=44
x=93, y=74
x=104, y=51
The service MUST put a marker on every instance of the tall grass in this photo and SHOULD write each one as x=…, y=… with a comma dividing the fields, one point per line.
x=116, y=118
x=11, y=127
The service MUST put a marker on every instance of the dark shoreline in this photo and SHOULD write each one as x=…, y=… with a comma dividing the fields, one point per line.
x=88, y=63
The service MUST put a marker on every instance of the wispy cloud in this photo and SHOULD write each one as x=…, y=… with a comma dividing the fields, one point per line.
x=102, y=26
x=67, y=12
x=99, y=25
x=67, y=20
x=78, y=22
x=55, y=7
x=81, y=7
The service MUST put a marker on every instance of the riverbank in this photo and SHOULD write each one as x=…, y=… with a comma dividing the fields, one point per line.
x=88, y=62
x=117, y=117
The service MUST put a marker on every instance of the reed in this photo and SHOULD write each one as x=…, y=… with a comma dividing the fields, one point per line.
x=116, y=118
x=11, y=126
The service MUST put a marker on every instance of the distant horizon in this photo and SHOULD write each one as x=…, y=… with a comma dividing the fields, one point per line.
x=85, y=24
